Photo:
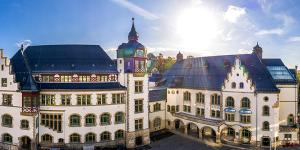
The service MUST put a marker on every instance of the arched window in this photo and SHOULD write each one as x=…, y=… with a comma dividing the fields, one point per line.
x=187, y=96
x=24, y=124
x=241, y=85
x=90, y=120
x=233, y=85
x=46, y=138
x=105, y=119
x=7, y=121
x=157, y=123
x=200, y=98
x=119, y=117
x=74, y=120
x=90, y=138
x=266, y=111
x=229, y=102
x=119, y=135
x=74, y=138
x=266, y=126
x=290, y=120
x=7, y=138
x=105, y=136
x=245, y=103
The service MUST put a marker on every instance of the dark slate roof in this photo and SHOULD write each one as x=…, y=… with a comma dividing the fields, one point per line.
x=210, y=72
x=59, y=58
x=273, y=62
x=157, y=95
x=155, y=77
x=82, y=86
x=65, y=58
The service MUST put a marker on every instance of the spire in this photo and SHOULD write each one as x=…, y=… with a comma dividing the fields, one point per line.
x=133, y=35
x=257, y=50
x=179, y=57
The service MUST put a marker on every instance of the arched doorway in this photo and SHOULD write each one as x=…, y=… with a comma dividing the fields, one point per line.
x=25, y=143
x=208, y=134
x=245, y=136
x=228, y=134
x=179, y=125
x=193, y=130
x=265, y=141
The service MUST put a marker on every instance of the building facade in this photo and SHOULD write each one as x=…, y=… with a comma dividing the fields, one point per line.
x=76, y=96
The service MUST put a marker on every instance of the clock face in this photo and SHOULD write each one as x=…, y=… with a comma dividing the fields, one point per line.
x=140, y=53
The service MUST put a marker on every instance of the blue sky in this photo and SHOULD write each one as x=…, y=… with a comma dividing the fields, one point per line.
x=194, y=27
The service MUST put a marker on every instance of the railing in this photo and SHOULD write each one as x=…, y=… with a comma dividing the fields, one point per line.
x=29, y=111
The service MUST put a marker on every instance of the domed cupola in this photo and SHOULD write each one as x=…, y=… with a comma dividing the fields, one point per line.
x=133, y=35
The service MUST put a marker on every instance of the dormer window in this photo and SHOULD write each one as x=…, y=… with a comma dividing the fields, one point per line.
x=233, y=85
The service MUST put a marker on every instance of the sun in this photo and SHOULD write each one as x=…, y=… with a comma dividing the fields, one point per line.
x=197, y=28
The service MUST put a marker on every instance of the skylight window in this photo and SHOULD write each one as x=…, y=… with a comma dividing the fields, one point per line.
x=279, y=73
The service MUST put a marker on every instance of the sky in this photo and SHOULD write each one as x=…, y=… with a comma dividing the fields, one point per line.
x=193, y=27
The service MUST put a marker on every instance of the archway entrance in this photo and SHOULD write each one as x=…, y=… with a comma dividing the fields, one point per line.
x=228, y=134
x=208, y=134
x=193, y=130
x=25, y=143
x=265, y=141
x=179, y=125
x=246, y=136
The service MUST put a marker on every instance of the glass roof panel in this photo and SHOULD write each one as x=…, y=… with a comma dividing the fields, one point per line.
x=279, y=73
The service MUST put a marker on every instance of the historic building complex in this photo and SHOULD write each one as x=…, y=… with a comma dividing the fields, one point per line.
x=76, y=95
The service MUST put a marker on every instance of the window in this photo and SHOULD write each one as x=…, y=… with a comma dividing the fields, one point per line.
x=7, y=99
x=245, y=119
x=290, y=120
x=65, y=99
x=138, y=106
x=200, y=98
x=90, y=138
x=168, y=108
x=287, y=137
x=105, y=119
x=119, y=117
x=30, y=101
x=7, y=138
x=215, y=113
x=241, y=85
x=118, y=98
x=90, y=120
x=52, y=121
x=229, y=102
x=245, y=103
x=119, y=135
x=84, y=78
x=105, y=136
x=47, y=78
x=4, y=82
x=101, y=99
x=266, y=126
x=138, y=86
x=233, y=85
x=186, y=108
x=61, y=140
x=177, y=108
x=24, y=124
x=102, y=78
x=74, y=138
x=266, y=111
x=246, y=133
x=157, y=123
x=46, y=138
x=7, y=121
x=186, y=96
x=138, y=124
x=218, y=114
x=74, y=120
x=83, y=99
x=215, y=99
x=47, y=100
x=173, y=109
x=229, y=117
x=156, y=107
x=65, y=78
x=2, y=67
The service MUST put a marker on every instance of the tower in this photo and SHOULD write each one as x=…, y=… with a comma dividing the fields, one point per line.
x=179, y=57
x=258, y=51
x=131, y=64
